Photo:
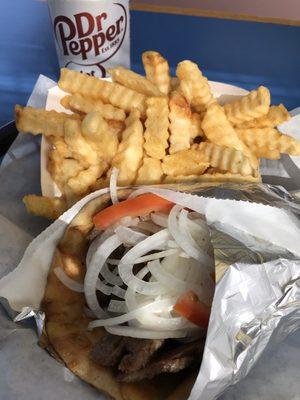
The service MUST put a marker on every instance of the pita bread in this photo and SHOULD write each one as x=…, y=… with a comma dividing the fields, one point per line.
x=66, y=336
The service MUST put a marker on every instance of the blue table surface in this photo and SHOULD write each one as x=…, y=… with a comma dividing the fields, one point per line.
x=243, y=53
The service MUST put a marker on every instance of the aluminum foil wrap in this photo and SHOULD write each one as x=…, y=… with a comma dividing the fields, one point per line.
x=257, y=296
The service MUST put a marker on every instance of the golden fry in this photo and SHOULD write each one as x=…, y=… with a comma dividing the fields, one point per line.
x=134, y=81
x=46, y=207
x=276, y=116
x=109, y=92
x=186, y=162
x=218, y=130
x=174, y=84
x=39, y=121
x=180, y=123
x=269, y=142
x=157, y=70
x=194, y=86
x=98, y=132
x=157, y=124
x=85, y=105
x=196, y=129
x=254, y=105
x=80, y=184
x=81, y=149
x=150, y=172
x=130, y=152
x=227, y=159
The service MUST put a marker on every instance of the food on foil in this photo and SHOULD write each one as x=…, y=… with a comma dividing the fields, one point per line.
x=128, y=296
x=171, y=115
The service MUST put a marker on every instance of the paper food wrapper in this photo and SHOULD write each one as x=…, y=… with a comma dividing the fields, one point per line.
x=257, y=298
x=91, y=35
x=256, y=301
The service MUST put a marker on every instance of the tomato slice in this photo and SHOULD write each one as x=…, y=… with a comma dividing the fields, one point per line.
x=190, y=307
x=135, y=207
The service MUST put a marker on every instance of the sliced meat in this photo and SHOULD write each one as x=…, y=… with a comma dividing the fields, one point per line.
x=135, y=352
x=140, y=352
x=170, y=361
x=109, y=350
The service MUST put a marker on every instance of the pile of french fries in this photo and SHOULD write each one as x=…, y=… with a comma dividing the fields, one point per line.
x=153, y=129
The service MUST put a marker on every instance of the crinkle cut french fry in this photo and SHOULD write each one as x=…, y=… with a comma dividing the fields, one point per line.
x=194, y=86
x=134, y=81
x=185, y=162
x=101, y=135
x=150, y=172
x=81, y=149
x=46, y=207
x=109, y=92
x=215, y=177
x=196, y=129
x=254, y=105
x=157, y=70
x=85, y=105
x=218, y=130
x=130, y=152
x=157, y=125
x=86, y=178
x=180, y=123
x=276, y=116
x=269, y=142
x=227, y=159
x=39, y=121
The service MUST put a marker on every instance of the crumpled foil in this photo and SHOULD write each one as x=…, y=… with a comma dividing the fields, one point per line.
x=257, y=296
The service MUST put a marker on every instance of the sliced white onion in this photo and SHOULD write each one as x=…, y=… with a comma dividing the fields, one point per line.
x=129, y=236
x=136, y=332
x=126, y=264
x=110, y=276
x=67, y=281
x=102, y=287
x=113, y=185
x=155, y=256
x=130, y=295
x=94, y=268
x=183, y=239
x=160, y=219
x=117, y=306
x=119, y=292
x=174, y=284
x=113, y=261
x=155, y=306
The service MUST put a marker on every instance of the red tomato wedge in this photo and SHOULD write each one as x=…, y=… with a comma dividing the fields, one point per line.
x=190, y=307
x=135, y=207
